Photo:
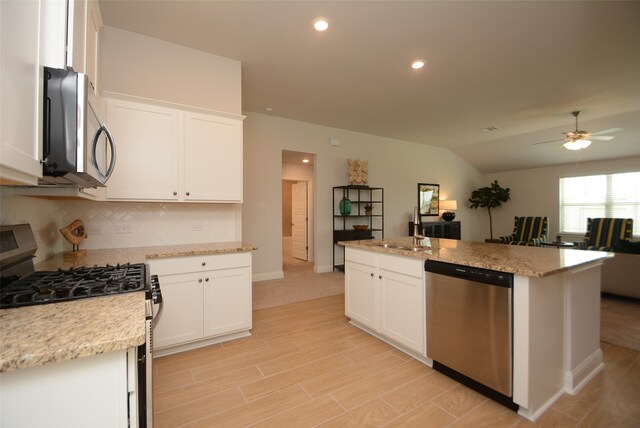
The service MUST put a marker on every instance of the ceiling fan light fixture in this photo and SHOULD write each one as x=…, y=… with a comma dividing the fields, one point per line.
x=577, y=144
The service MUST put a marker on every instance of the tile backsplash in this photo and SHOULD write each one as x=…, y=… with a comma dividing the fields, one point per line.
x=122, y=224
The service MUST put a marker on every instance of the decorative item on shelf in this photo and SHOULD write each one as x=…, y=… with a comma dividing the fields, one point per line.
x=489, y=197
x=361, y=226
x=449, y=206
x=368, y=209
x=74, y=233
x=358, y=172
x=345, y=206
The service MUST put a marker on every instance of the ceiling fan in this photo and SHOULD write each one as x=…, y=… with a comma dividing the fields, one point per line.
x=578, y=140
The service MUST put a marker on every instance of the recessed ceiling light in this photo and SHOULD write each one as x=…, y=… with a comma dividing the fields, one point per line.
x=305, y=160
x=269, y=109
x=320, y=24
x=417, y=64
x=489, y=129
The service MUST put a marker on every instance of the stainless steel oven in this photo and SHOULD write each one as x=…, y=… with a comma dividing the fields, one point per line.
x=145, y=355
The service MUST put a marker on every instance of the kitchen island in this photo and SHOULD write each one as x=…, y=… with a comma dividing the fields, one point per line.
x=556, y=307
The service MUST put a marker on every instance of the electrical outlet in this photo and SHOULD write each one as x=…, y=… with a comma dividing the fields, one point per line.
x=95, y=229
x=123, y=228
x=197, y=227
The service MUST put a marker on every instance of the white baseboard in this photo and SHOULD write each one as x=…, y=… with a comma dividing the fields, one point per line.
x=532, y=416
x=174, y=349
x=257, y=277
x=576, y=379
x=323, y=269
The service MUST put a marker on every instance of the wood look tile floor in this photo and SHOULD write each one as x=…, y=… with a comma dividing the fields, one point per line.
x=306, y=366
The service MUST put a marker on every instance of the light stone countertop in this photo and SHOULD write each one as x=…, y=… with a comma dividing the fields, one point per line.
x=519, y=260
x=42, y=334
x=142, y=254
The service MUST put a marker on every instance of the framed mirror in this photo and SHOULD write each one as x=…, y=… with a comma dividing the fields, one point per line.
x=428, y=199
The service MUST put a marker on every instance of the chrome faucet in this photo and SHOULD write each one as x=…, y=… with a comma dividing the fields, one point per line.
x=417, y=237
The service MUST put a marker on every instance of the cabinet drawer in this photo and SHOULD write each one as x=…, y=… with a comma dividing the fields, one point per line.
x=198, y=263
x=405, y=265
x=360, y=256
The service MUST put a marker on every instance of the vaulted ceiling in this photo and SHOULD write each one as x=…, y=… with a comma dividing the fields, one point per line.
x=521, y=66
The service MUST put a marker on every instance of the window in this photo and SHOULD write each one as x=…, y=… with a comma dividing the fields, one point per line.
x=613, y=195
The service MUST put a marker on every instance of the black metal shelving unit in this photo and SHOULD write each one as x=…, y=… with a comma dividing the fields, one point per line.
x=343, y=224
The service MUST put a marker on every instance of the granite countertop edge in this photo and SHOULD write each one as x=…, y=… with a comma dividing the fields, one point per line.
x=496, y=262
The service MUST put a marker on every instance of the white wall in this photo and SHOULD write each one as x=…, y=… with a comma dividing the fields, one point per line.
x=139, y=65
x=535, y=192
x=395, y=165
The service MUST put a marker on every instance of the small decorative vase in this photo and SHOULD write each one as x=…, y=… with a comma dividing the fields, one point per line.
x=448, y=216
x=345, y=206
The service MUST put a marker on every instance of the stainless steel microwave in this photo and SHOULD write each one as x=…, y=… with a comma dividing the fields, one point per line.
x=77, y=145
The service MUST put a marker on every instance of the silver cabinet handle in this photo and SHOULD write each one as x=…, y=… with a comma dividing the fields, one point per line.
x=199, y=279
x=204, y=263
x=379, y=276
x=188, y=193
x=175, y=193
x=372, y=274
x=206, y=280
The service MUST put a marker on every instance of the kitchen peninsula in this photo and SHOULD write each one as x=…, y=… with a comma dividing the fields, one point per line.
x=555, y=301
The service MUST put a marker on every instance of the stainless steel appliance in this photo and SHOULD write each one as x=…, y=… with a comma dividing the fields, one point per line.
x=469, y=327
x=77, y=144
x=21, y=285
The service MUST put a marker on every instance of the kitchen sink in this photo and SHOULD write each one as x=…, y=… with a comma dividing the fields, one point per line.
x=415, y=248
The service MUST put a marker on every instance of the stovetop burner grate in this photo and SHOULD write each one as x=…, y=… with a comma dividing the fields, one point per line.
x=75, y=283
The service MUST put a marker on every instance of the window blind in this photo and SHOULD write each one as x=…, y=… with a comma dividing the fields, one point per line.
x=612, y=195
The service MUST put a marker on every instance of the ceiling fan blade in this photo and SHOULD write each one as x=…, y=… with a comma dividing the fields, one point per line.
x=550, y=141
x=607, y=131
x=603, y=138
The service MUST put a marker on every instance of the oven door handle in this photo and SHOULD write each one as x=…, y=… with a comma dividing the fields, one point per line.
x=156, y=319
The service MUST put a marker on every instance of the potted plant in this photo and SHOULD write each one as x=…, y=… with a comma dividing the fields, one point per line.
x=489, y=197
x=368, y=209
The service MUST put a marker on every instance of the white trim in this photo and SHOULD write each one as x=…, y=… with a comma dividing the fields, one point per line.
x=257, y=277
x=134, y=98
x=583, y=373
x=198, y=344
x=322, y=269
x=525, y=413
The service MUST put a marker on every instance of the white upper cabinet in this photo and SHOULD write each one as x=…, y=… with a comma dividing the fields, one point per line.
x=166, y=154
x=83, y=26
x=20, y=92
x=147, y=151
x=212, y=158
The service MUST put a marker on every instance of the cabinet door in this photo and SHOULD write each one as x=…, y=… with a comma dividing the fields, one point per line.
x=182, y=312
x=20, y=97
x=402, y=309
x=76, y=35
x=360, y=293
x=146, y=140
x=212, y=158
x=94, y=22
x=227, y=301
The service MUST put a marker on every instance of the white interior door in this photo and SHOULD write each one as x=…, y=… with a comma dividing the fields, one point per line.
x=299, y=216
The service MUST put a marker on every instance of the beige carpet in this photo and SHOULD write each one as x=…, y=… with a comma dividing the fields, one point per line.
x=299, y=283
x=620, y=322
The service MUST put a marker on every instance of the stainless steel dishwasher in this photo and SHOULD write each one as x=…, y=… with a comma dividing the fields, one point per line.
x=469, y=327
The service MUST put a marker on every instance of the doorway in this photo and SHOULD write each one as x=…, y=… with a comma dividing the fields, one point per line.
x=297, y=212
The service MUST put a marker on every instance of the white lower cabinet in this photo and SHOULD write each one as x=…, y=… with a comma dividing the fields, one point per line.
x=207, y=299
x=91, y=391
x=387, y=294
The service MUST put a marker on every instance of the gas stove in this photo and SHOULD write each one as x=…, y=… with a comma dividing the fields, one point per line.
x=75, y=283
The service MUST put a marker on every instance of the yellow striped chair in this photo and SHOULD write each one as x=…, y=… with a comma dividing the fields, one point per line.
x=603, y=233
x=530, y=231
